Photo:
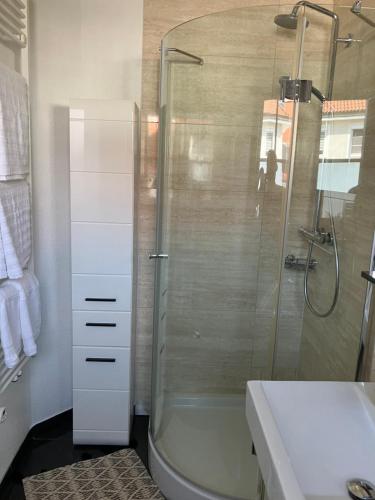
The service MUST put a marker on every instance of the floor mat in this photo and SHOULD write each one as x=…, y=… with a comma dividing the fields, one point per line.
x=118, y=476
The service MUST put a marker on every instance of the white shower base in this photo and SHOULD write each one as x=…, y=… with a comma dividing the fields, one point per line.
x=204, y=447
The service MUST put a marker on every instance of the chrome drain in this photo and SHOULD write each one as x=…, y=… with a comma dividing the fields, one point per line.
x=360, y=489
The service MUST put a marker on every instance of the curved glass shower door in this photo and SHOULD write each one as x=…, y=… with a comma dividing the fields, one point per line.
x=239, y=176
x=223, y=177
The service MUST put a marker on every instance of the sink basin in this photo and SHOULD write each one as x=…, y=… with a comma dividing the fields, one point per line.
x=311, y=437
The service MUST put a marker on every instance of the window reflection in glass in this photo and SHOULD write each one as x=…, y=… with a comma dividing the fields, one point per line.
x=356, y=143
x=341, y=141
x=275, y=141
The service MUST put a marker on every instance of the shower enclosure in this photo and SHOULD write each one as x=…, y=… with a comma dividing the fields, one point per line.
x=246, y=180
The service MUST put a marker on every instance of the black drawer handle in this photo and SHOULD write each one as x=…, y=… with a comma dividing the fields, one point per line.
x=95, y=299
x=112, y=325
x=101, y=360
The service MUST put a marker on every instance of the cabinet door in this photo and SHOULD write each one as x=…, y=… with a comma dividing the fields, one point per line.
x=101, y=146
x=97, y=197
x=101, y=248
x=101, y=410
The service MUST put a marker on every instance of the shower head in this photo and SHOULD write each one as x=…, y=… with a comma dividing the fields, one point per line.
x=288, y=21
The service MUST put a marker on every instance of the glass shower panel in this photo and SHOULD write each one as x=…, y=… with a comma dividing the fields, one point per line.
x=333, y=151
x=274, y=163
x=161, y=265
x=300, y=214
x=315, y=50
x=225, y=152
x=330, y=347
x=240, y=173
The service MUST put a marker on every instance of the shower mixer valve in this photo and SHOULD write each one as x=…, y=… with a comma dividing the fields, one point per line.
x=319, y=236
x=324, y=237
x=299, y=263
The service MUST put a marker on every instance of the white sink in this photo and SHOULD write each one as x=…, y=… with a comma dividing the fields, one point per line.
x=311, y=437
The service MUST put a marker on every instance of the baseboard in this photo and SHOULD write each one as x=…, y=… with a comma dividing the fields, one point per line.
x=37, y=431
x=53, y=415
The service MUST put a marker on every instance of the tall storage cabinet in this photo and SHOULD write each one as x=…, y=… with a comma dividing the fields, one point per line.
x=102, y=158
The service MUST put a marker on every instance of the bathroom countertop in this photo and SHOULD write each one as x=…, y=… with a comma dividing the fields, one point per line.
x=311, y=437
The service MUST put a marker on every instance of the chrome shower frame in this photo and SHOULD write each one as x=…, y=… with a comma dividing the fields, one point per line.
x=319, y=197
x=335, y=37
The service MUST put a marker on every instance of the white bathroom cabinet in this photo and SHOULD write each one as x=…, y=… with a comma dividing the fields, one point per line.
x=102, y=159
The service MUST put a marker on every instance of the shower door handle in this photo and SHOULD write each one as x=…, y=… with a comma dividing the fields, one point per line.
x=158, y=256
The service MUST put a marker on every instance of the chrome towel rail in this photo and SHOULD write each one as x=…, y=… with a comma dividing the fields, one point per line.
x=196, y=59
x=17, y=10
x=8, y=37
x=12, y=25
x=8, y=375
x=12, y=17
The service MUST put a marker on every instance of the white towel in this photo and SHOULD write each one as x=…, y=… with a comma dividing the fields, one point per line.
x=15, y=228
x=14, y=125
x=10, y=324
x=29, y=311
x=20, y=317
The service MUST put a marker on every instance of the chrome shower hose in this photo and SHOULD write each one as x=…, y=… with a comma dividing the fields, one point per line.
x=312, y=308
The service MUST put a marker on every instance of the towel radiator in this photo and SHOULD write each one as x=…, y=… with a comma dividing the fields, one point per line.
x=13, y=33
x=12, y=23
x=10, y=375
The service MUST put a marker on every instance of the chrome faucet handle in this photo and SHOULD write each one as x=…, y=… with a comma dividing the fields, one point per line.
x=323, y=236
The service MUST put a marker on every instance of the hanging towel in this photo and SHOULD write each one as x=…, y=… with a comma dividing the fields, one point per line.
x=20, y=317
x=15, y=228
x=10, y=324
x=29, y=311
x=14, y=125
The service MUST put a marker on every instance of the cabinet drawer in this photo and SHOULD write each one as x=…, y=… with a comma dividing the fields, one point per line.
x=101, y=248
x=101, y=328
x=101, y=410
x=97, y=197
x=103, y=109
x=101, y=368
x=101, y=292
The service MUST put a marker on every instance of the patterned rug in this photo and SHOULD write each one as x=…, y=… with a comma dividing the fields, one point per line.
x=118, y=476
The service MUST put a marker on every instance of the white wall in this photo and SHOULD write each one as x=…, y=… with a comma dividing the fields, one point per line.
x=78, y=49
